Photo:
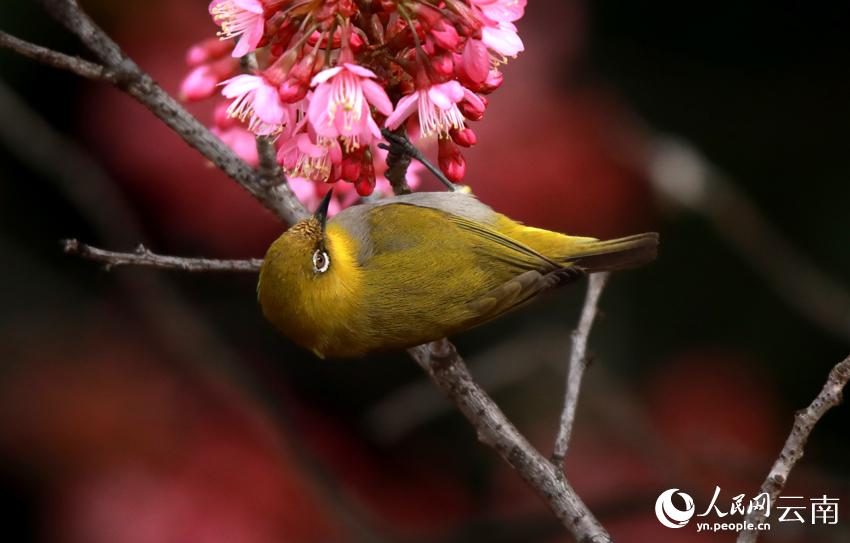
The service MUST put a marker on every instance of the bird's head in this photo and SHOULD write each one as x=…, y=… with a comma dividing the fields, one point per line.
x=302, y=251
x=309, y=275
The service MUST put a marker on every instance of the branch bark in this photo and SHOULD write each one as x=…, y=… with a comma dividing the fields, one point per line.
x=81, y=67
x=447, y=370
x=143, y=257
x=804, y=422
x=578, y=363
x=127, y=76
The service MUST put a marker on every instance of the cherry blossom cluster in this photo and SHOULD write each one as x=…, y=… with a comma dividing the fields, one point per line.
x=322, y=77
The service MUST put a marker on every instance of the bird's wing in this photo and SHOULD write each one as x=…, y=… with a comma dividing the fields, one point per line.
x=515, y=293
x=540, y=273
x=474, y=273
x=496, y=245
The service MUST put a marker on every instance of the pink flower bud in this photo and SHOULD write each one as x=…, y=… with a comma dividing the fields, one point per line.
x=445, y=35
x=365, y=184
x=351, y=168
x=221, y=119
x=356, y=42
x=443, y=65
x=475, y=61
x=451, y=160
x=494, y=81
x=464, y=138
x=292, y=90
x=202, y=81
x=473, y=106
x=199, y=84
x=208, y=50
x=346, y=8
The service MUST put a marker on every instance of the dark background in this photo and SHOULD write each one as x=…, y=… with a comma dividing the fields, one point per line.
x=144, y=406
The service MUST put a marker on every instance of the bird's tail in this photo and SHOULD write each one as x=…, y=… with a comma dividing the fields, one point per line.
x=615, y=254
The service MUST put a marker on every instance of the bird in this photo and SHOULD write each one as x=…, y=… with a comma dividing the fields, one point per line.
x=401, y=271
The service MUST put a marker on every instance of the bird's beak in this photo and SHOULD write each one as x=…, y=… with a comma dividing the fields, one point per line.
x=321, y=213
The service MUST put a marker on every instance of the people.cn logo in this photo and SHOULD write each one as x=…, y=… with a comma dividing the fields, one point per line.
x=668, y=514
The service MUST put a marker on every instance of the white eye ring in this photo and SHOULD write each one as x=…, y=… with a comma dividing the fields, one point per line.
x=321, y=261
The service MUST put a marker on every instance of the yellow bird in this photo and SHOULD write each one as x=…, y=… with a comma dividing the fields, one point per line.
x=402, y=271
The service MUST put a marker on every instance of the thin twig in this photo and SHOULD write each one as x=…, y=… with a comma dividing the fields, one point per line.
x=401, y=146
x=804, y=422
x=687, y=178
x=143, y=257
x=131, y=79
x=81, y=67
x=578, y=363
x=447, y=370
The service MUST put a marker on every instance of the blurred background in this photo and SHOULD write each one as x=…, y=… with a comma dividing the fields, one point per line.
x=152, y=407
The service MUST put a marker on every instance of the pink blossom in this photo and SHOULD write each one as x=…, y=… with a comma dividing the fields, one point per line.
x=339, y=106
x=255, y=100
x=437, y=107
x=302, y=156
x=240, y=18
x=498, y=32
x=502, y=38
x=506, y=11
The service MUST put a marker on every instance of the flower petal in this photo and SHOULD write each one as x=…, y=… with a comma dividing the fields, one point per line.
x=324, y=75
x=502, y=39
x=267, y=105
x=239, y=85
x=405, y=107
x=377, y=96
x=254, y=6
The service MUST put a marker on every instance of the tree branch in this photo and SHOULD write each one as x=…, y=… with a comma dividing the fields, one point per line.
x=804, y=422
x=79, y=66
x=126, y=75
x=447, y=370
x=271, y=174
x=143, y=257
x=578, y=363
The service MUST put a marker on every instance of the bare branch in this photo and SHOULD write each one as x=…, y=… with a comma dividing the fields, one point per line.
x=687, y=178
x=804, y=422
x=145, y=258
x=79, y=66
x=126, y=75
x=447, y=370
x=578, y=363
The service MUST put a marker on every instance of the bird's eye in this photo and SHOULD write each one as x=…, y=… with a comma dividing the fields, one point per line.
x=321, y=262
